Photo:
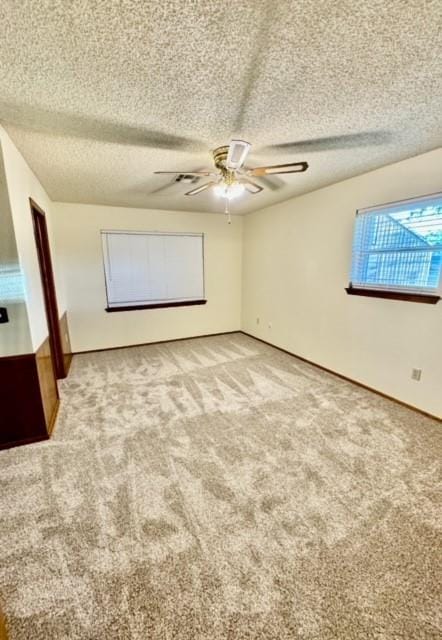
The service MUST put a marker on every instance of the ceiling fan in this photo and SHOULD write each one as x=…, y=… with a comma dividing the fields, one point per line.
x=231, y=177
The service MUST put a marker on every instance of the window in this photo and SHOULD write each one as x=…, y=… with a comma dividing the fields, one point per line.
x=397, y=250
x=153, y=269
x=11, y=284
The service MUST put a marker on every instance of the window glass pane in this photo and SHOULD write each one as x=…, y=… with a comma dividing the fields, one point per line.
x=399, y=247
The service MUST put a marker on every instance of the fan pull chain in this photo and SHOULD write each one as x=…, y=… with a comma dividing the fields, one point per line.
x=227, y=210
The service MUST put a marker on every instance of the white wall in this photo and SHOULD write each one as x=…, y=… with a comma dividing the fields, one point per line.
x=15, y=336
x=78, y=244
x=22, y=185
x=296, y=264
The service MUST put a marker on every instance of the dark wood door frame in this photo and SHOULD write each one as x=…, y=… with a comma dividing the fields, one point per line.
x=48, y=284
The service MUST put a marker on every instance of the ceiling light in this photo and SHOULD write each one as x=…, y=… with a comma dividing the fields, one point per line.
x=229, y=191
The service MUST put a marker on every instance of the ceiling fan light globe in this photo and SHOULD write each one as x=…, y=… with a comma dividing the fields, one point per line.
x=229, y=191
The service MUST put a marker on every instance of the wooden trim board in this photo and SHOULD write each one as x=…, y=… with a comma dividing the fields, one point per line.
x=393, y=295
x=155, y=305
x=346, y=378
x=48, y=286
x=147, y=344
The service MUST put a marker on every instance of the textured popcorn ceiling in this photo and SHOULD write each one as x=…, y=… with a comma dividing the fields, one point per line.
x=98, y=95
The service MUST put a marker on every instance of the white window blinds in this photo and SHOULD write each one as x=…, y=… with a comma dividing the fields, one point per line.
x=398, y=247
x=149, y=268
x=11, y=284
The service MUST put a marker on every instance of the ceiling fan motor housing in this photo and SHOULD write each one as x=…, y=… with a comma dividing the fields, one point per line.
x=220, y=157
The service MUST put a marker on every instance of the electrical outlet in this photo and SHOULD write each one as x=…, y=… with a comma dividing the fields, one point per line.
x=270, y=325
x=257, y=320
x=416, y=374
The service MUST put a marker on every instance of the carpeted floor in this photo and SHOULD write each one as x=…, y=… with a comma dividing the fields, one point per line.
x=219, y=489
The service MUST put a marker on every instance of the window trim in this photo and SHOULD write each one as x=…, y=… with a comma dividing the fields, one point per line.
x=156, y=305
x=425, y=298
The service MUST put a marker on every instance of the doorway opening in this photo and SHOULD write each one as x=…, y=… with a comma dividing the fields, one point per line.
x=48, y=284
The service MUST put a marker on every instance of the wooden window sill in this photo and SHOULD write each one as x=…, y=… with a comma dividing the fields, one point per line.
x=425, y=298
x=156, y=305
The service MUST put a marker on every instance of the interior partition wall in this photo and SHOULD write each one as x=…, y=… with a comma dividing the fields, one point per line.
x=28, y=386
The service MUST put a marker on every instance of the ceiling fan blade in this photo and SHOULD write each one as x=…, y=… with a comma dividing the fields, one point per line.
x=203, y=187
x=292, y=167
x=186, y=173
x=328, y=143
x=250, y=186
x=270, y=182
x=238, y=152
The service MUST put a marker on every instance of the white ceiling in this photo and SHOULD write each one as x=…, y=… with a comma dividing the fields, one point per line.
x=99, y=94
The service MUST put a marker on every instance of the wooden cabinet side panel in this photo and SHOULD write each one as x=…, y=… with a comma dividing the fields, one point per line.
x=65, y=342
x=3, y=634
x=48, y=383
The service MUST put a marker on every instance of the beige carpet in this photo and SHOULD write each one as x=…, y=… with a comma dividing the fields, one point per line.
x=219, y=489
